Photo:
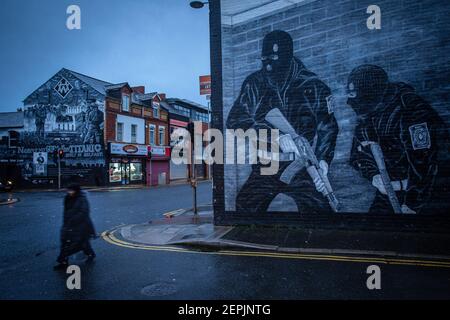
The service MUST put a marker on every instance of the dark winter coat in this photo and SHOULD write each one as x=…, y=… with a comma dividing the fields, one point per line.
x=407, y=129
x=77, y=224
x=302, y=100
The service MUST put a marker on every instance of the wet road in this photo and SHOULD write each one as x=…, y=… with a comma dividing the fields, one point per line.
x=29, y=244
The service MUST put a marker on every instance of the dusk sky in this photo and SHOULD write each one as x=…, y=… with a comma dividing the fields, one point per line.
x=162, y=44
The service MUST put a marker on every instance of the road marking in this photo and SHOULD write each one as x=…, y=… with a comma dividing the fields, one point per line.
x=174, y=213
x=109, y=237
x=9, y=201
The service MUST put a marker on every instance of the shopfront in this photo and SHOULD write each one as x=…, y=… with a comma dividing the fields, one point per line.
x=127, y=164
x=178, y=171
x=159, y=165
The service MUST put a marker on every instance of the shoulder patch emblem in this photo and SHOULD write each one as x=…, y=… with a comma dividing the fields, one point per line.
x=330, y=104
x=420, y=136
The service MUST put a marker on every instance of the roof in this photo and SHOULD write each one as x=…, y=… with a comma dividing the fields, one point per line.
x=97, y=84
x=117, y=86
x=238, y=11
x=174, y=112
x=11, y=119
x=103, y=86
x=145, y=96
x=164, y=105
x=187, y=103
x=168, y=107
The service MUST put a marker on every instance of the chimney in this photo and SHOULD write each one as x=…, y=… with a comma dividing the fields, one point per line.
x=163, y=96
x=139, y=89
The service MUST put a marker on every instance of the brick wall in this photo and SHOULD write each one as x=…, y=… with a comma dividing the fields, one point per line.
x=110, y=126
x=113, y=107
x=331, y=38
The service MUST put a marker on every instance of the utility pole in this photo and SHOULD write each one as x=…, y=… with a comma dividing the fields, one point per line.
x=193, y=175
x=149, y=154
x=59, y=172
x=194, y=183
x=58, y=154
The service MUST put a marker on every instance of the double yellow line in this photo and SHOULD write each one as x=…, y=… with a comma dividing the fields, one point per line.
x=109, y=237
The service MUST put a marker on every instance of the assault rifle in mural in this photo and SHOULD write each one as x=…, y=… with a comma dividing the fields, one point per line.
x=305, y=154
x=284, y=82
x=379, y=159
x=411, y=135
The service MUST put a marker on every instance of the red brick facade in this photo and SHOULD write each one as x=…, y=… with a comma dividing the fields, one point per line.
x=152, y=170
x=113, y=107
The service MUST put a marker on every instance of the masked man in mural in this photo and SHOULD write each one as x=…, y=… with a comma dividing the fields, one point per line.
x=406, y=128
x=284, y=83
x=94, y=120
x=40, y=115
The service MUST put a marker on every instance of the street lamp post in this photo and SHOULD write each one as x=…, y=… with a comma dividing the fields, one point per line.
x=216, y=87
x=195, y=5
x=198, y=4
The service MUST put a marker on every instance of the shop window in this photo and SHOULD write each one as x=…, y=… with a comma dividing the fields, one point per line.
x=115, y=172
x=133, y=133
x=135, y=171
x=119, y=131
x=162, y=133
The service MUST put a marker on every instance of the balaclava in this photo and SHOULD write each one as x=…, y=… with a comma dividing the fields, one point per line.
x=366, y=87
x=277, y=54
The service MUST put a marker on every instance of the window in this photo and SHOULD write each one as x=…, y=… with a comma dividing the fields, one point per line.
x=152, y=134
x=119, y=131
x=133, y=133
x=155, y=111
x=125, y=102
x=136, y=171
x=115, y=172
x=183, y=111
x=162, y=135
x=200, y=116
x=14, y=139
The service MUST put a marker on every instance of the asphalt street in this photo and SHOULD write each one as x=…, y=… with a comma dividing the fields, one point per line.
x=29, y=232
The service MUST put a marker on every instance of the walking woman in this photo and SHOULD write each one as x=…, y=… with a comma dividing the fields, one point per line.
x=77, y=227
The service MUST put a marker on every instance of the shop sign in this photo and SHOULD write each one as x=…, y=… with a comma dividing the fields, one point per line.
x=160, y=151
x=128, y=149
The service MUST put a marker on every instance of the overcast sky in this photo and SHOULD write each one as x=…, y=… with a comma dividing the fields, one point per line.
x=162, y=44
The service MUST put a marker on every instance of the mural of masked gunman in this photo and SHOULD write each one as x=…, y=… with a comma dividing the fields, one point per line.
x=405, y=127
x=284, y=83
x=94, y=120
x=40, y=115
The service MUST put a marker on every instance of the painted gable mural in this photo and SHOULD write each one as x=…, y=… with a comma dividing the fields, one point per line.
x=64, y=113
x=367, y=133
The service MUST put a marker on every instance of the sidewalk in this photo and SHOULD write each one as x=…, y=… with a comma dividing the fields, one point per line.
x=114, y=188
x=184, y=228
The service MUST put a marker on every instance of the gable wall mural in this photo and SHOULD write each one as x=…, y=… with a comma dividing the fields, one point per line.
x=373, y=106
x=64, y=113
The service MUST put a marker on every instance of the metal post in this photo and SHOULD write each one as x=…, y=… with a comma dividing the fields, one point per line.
x=59, y=172
x=195, y=195
x=193, y=176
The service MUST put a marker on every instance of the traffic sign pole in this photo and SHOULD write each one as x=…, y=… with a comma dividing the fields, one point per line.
x=59, y=172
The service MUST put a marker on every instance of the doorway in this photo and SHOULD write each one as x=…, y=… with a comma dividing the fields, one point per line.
x=125, y=167
x=126, y=172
